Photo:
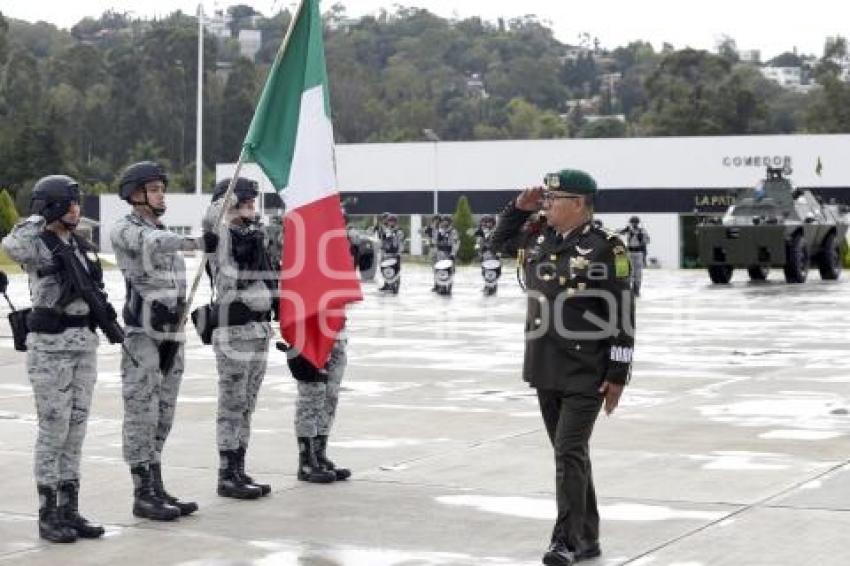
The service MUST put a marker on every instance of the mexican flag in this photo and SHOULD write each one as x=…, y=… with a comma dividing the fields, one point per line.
x=291, y=139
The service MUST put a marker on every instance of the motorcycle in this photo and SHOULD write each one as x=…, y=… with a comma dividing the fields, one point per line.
x=491, y=270
x=444, y=271
x=391, y=272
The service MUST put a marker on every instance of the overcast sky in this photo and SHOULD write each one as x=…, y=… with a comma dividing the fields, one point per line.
x=772, y=27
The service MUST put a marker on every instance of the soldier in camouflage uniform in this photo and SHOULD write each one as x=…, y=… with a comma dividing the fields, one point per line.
x=243, y=284
x=61, y=354
x=576, y=274
x=274, y=239
x=315, y=409
x=154, y=273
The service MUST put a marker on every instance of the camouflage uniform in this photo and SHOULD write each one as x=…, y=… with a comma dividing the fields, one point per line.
x=61, y=367
x=241, y=351
x=148, y=256
x=274, y=240
x=315, y=407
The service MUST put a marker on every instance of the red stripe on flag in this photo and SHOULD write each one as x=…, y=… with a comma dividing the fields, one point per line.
x=317, y=278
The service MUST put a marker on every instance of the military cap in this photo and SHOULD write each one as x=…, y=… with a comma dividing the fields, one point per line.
x=571, y=181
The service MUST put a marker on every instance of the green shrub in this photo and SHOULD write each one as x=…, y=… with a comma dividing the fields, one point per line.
x=465, y=226
x=8, y=213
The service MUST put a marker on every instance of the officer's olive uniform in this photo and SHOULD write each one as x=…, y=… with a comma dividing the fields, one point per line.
x=584, y=273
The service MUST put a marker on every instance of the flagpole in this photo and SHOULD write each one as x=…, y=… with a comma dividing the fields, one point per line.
x=227, y=195
x=199, y=140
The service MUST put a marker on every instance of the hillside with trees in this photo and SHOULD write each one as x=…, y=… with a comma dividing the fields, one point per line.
x=114, y=89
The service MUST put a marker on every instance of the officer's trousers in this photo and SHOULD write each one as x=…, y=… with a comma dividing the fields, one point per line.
x=150, y=398
x=569, y=420
x=241, y=364
x=62, y=384
x=315, y=407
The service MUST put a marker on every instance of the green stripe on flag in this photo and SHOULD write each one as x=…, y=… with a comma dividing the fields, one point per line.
x=270, y=141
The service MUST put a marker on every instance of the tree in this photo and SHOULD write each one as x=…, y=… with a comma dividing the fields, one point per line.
x=8, y=214
x=465, y=225
x=604, y=128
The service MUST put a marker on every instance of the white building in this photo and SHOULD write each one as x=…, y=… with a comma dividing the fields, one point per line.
x=788, y=77
x=668, y=182
x=250, y=41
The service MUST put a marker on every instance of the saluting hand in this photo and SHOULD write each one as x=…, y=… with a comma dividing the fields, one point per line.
x=530, y=200
x=612, y=393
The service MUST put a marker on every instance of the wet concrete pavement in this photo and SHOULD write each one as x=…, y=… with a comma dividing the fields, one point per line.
x=731, y=446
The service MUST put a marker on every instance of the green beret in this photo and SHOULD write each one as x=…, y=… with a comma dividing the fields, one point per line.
x=571, y=181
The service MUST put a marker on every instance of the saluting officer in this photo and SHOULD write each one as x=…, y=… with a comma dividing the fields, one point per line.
x=575, y=274
x=61, y=352
x=243, y=280
x=155, y=278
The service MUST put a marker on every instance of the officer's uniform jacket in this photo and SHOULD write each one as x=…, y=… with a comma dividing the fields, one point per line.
x=231, y=284
x=569, y=280
x=147, y=254
x=25, y=246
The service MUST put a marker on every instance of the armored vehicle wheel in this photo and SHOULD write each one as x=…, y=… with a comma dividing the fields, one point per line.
x=721, y=274
x=758, y=272
x=829, y=261
x=796, y=260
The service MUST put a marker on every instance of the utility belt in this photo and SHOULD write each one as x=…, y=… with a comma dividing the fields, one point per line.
x=207, y=318
x=637, y=249
x=162, y=318
x=46, y=321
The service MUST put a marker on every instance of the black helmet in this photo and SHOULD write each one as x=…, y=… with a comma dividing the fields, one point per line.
x=244, y=189
x=446, y=218
x=53, y=195
x=634, y=220
x=137, y=174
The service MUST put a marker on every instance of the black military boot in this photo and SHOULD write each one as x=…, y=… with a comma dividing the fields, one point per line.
x=186, y=507
x=50, y=524
x=265, y=488
x=69, y=510
x=230, y=483
x=146, y=504
x=322, y=459
x=309, y=468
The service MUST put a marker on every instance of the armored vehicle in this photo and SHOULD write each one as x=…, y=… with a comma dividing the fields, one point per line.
x=773, y=225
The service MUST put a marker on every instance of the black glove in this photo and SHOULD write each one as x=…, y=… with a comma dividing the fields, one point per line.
x=303, y=370
x=210, y=242
x=4, y=282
